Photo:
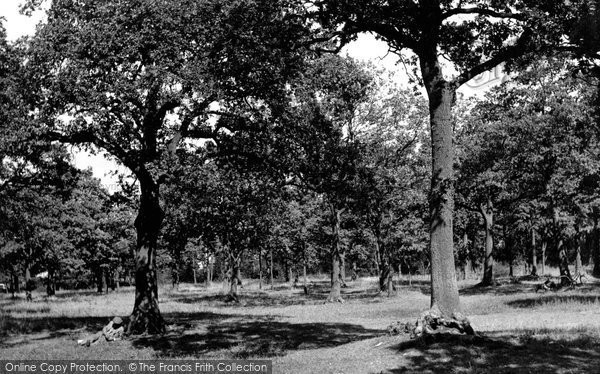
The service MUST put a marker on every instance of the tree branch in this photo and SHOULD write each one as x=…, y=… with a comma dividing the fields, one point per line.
x=521, y=47
x=483, y=12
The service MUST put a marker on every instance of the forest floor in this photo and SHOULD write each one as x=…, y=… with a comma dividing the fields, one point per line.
x=519, y=330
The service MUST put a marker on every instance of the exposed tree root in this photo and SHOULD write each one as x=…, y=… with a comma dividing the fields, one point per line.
x=432, y=323
x=145, y=322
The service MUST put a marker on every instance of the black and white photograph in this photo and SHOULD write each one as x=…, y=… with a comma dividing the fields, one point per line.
x=299, y=186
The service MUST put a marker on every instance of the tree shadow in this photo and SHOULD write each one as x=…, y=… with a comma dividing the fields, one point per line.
x=554, y=299
x=53, y=326
x=223, y=335
x=499, y=289
x=252, y=298
x=566, y=352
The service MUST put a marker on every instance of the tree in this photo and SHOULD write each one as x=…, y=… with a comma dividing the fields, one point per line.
x=393, y=169
x=326, y=153
x=474, y=36
x=535, y=143
x=137, y=81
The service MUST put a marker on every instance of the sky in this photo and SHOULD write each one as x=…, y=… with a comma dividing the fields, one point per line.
x=366, y=48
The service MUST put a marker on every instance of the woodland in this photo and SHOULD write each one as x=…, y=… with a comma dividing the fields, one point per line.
x=259, y=155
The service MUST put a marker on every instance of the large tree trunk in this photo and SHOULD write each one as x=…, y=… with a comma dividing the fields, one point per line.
x=487, y=211
x=442, y=94
x=146, y=316
x=533, y=254
x=335, y=294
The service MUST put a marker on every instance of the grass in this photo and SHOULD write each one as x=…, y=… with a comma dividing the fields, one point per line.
x=519, y=330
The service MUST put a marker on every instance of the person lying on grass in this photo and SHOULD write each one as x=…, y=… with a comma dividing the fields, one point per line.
x=111, y=332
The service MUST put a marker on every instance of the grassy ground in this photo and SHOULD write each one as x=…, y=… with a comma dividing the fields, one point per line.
x=519, y=331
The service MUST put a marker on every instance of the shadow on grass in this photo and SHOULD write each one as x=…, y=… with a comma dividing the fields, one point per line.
x=567, y=351
x=223, y=335
x=553, y=299
x=54, y=326
x=318, y=295
x=499, y=289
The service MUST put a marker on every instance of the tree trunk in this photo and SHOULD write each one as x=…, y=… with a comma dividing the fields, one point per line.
x=305, y=283
x=596, y=250
x=565, y=273
x=544, y=246
x=385, y=275
x=271, y=267
x=508, y=242
x=578, y=263
x=286, y=269
x=15, y=286
x=117, y=279
x=50, y=284
x=234, y=280
x=99, y=279
x=28, y=285
x=487, y=212
x=376, y=256
x=210, y=269
x=384, y=269
x=442, y=94
x=563, y=263
x=176, y=269
x=343, y=268
x=467, y=265
x=238, y=275
x=290, y=275
x=194, y=273
x=533, y=254
x=106, y=278
x=335, y=294
x=304, y=262
x=260, y=271
x=390, y=282
x=146, y=316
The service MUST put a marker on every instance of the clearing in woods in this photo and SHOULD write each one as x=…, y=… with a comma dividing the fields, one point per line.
x=519, y=330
